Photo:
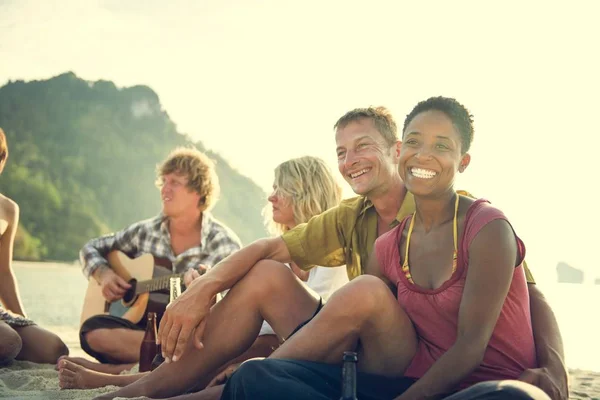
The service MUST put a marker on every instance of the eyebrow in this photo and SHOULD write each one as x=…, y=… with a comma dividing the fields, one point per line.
x=358, y=139
x=438, y=136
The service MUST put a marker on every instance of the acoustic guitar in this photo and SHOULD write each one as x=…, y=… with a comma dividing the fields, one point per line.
x=147, y=279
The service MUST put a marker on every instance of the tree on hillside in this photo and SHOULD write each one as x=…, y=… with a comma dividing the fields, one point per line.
x=82, y=163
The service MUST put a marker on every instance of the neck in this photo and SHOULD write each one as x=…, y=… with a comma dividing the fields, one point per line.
x=388, y=201
x=186, y=224
x=432, y=212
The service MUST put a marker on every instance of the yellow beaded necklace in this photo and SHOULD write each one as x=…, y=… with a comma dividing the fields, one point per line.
x=406, y=268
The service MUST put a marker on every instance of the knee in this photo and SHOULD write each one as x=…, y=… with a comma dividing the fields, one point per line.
x=56, y=349
x=501, y=390
x=520, y=391
x=96, y=339
x=365, y=294
x=10, y=345
x=268, y=276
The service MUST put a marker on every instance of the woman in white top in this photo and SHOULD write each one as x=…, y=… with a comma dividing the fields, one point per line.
x=304, y=187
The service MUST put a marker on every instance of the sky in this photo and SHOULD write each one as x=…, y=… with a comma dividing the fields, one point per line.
x=263, y=81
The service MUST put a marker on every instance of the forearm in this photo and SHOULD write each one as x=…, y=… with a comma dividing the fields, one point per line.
x=447, y=372
x=9, y=293
x=92, y=260
x=233, y=268
x=546, y=333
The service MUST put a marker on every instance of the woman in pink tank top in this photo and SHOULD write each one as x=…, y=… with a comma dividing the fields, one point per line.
x=445, y=310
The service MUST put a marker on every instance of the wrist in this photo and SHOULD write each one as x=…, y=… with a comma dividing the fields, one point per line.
x=99, y=272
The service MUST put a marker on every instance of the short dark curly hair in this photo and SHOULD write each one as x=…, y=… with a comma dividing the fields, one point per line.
x=458, y=114
x=382, y=119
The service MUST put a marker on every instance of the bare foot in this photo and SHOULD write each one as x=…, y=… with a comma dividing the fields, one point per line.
x=75, y=376
x=95, y=366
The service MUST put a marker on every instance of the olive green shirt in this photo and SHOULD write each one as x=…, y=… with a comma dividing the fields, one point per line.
x=345, y=235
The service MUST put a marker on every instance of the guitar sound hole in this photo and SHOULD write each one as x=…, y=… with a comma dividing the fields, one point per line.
x=130, y=293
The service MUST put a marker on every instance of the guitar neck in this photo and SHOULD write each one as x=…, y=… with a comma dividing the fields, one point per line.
x=155, y=284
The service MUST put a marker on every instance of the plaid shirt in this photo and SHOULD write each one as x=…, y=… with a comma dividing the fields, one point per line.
x=152, y=236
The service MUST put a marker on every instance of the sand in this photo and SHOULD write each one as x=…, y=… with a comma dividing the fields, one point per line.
x=52, y=294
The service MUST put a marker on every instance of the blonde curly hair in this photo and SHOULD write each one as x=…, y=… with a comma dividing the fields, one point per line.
x=199, y=171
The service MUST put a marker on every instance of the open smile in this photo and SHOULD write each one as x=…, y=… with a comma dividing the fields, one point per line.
x=354, y=175
x=422, y=173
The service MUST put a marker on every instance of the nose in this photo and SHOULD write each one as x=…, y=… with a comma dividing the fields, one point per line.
x=350, y=159
x=272, y=197
x=424, y=153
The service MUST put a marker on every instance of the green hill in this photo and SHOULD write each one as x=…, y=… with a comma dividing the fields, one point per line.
x=82, y=163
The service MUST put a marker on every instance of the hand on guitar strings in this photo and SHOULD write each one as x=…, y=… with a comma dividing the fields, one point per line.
x=182, y=320
x=192, y=273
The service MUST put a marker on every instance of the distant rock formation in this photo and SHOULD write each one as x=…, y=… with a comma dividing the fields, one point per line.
x=568, y=274
x=597, y=281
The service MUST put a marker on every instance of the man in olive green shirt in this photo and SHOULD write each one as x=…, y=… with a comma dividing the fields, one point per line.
x=368, y=148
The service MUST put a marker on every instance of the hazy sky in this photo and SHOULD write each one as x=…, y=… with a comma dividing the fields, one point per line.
x=263, y=81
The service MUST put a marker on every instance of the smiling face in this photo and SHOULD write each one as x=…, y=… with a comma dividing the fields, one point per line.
x=177, y=198
x=431, y=154
x=365, y=160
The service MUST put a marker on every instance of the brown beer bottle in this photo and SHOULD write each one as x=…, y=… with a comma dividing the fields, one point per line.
x=174, y=292
x=148, y=349
x=349, y=376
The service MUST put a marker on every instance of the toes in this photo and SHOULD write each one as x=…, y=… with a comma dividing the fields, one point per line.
x=66, y=373
x=57, y=366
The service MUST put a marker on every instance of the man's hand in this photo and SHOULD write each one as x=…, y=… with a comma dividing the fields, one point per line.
x=192, y=273
x=184, y=316
x=557, y=387
x=113, y=286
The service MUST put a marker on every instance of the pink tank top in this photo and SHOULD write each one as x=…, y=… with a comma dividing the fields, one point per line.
x=434, y=313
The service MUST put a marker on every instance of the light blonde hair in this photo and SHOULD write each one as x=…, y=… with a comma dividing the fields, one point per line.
x=199, y=171
x=309, y=185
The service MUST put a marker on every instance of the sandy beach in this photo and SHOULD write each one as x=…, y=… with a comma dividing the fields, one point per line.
x=52, y=294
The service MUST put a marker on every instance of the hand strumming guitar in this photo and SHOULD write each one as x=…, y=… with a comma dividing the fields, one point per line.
x=192, y=273
x=113, y=286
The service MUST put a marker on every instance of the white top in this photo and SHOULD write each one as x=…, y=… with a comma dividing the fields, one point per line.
x=324, y=281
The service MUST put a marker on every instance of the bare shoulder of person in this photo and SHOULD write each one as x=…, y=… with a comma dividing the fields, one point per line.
x=9, y=211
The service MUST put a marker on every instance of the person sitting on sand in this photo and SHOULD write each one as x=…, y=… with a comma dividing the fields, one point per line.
x=447, y=306
x=197, y=338
x=303, y=187
x=185, y=233
x=20, y=338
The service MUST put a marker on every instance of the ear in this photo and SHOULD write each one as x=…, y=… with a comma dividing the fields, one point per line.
x=464, y=163
x=396, y=148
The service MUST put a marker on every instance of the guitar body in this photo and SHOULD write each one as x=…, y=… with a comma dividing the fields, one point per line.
x=133, y=307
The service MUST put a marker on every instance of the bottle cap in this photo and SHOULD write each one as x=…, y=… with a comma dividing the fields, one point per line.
x=350, y=356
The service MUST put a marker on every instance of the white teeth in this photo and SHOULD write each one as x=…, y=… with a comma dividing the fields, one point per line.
x=359, y=173
x=423, y=173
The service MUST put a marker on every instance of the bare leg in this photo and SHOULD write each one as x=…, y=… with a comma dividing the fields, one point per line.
x=120, y=345
x=362, y=315
x=270, y=291
x=74, y=376
x=10, y=343
x=114, y=369
x=40, y=345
